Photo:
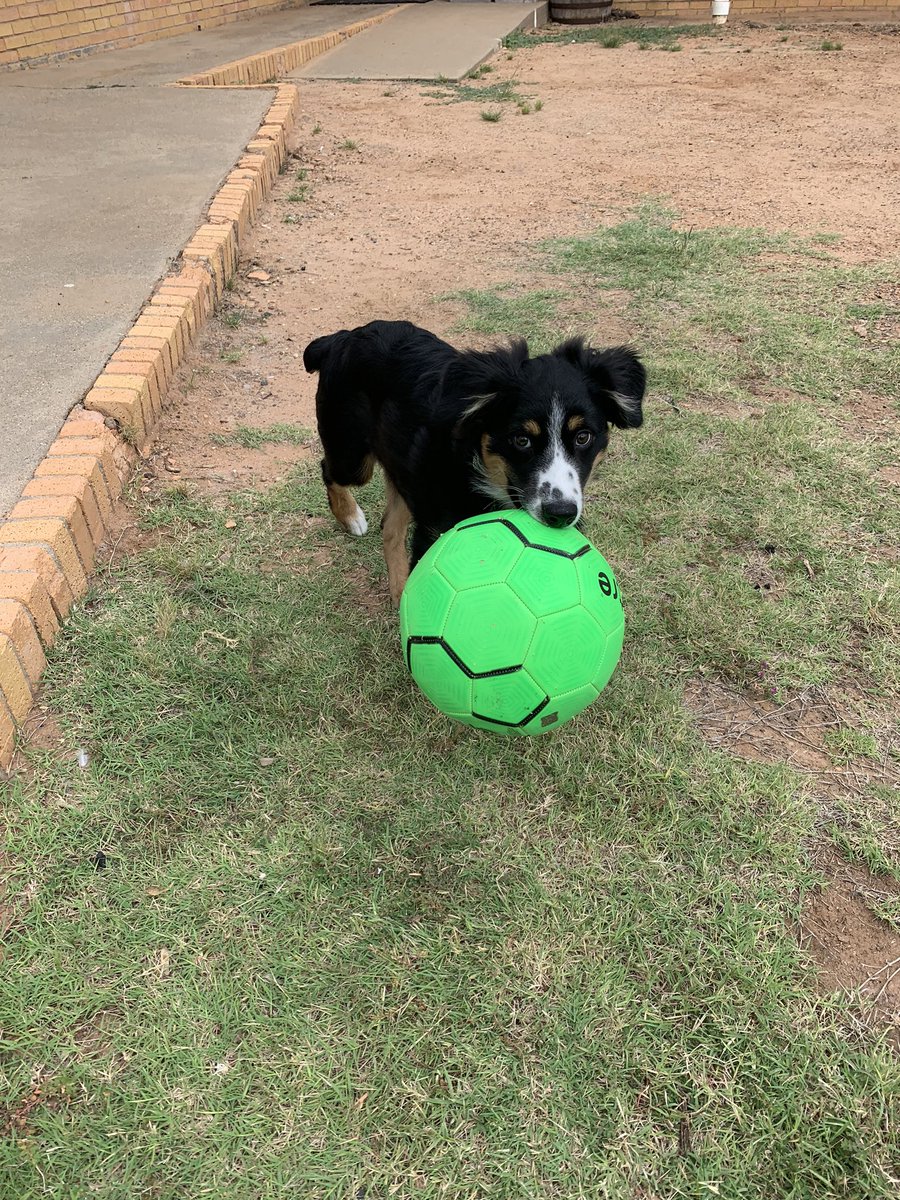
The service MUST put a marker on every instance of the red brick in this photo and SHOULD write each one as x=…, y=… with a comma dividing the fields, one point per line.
x=146, y=358
x=129, y=406
x=53, y=486
x=214, y=258
x=83, y=425
x=146, y=371
x=148, y=327
x=7, y=724
x=198, y=296
x=180, y=318
x=28, y=589
x=16, y=624
x=86, y=470
x=52, y=534
x=67, y=509
x=40, y=560
x=14, y=684
x=101, y=447
x=157, y=342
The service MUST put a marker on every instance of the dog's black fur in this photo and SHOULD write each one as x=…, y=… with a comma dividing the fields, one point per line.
x=460, y=433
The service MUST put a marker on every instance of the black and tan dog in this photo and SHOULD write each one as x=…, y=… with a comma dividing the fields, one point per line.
x=463, y=432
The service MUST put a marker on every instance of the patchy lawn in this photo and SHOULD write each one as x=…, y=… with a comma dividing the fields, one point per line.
x=283, y=929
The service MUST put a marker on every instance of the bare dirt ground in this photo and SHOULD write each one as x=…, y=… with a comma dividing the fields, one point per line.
x=405, y=198
x=408, y=198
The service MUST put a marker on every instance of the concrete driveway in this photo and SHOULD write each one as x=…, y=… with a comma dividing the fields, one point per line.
x=105, y=173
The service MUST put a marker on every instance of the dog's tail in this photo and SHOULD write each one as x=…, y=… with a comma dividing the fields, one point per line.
x=317, y=352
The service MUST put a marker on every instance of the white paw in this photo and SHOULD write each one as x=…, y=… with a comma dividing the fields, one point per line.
x=358, y=525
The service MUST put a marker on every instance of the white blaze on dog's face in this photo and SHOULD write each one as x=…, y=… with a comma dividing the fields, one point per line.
x=541, y=457
x=544, y=431
x=559, y=496
x=551, y=455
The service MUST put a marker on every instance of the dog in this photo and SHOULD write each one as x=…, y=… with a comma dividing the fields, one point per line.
x=459, y=433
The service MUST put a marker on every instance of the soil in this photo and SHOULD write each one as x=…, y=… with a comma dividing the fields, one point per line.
x=854, y=950
x=406, y=198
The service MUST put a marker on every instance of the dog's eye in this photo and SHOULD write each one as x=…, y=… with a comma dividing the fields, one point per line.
x=521, y=441
x=583, y=437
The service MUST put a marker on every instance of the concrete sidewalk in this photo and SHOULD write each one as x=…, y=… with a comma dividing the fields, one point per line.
x=105, y=174
x=443, y=39
x=107, y=170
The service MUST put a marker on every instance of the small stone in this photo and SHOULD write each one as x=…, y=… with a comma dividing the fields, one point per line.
x=259, y=276
x=230, y=524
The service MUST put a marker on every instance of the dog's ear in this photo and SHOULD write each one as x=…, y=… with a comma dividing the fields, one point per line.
x=616, y=378
x=479, y=379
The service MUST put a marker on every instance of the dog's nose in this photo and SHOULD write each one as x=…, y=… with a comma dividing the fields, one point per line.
x=559, y=513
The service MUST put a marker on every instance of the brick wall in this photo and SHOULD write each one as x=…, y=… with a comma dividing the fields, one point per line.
x=45, y=29
x=699, y=10
x=33, y=32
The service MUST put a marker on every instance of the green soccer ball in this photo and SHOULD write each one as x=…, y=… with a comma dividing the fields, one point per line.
x=510, y=625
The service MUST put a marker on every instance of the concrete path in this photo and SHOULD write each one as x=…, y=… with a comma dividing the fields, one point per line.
x=104, y=175
x=107, y=169
x=426, y=41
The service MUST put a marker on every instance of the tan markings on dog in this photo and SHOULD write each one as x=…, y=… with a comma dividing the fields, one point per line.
x=532, y=427
x=394, y=528
x=342, y=503
x=574, y=423
x=494, y=465
x=367, y=470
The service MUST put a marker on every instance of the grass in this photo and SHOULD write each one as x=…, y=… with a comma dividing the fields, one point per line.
x=732, y=317
x=503, y=91
x=733, y=310
x=348, y=144
x=336, y=947
x=610, y=37
x=504, y=309
x=255, y=437
x=827, y=45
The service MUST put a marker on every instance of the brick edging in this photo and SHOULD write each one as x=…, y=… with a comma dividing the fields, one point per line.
x=49, y=541
x=272, y=64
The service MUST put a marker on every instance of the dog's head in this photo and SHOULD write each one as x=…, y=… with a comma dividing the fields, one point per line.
x=536, y=427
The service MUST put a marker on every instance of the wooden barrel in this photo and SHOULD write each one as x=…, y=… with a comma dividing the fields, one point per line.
x=580, y=12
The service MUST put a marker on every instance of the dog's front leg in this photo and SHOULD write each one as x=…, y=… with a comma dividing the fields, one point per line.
x=394, y=530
